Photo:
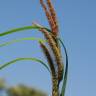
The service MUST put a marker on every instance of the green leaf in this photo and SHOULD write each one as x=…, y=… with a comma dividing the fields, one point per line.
x=65, y=76
x=18, y=29
x=20, y=59
x=22, y=39
x=21, y=29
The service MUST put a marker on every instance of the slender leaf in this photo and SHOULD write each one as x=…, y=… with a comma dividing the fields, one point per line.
x=66, y=70
x=18, y=29
x=21, y=29
x=20, y=59
x=22, y=39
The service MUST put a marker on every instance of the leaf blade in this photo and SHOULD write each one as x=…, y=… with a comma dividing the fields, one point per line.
x=65, y=76
x=22, y=39
x=20, y=59
x=18, y=29
x=21, y=29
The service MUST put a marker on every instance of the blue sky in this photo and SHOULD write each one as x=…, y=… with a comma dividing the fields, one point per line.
x=77, y=24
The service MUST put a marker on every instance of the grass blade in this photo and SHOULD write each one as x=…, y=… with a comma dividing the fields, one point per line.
x=21, y=29
x=18, y=29
x=20, y=59
x=22, y=39
x=66, y=71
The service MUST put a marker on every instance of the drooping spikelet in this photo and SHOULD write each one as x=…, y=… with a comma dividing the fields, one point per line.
x=55, y=91
x=53, y=14
x=56, y=52
x=49, y=58
x=49, y=17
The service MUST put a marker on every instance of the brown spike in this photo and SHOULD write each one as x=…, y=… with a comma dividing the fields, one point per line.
x=54, y=77
x=55, y=91
x=53, y=14
x=49, y=58
x=49, y=17
x=56, y=53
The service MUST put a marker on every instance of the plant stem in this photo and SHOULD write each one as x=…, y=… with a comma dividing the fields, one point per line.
x=55, y=89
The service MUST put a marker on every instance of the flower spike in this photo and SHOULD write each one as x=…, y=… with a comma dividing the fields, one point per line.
x=53, y=14
x=49, y=17
x=56, y=52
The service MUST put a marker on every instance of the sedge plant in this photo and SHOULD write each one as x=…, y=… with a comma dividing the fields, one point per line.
x=51, y=47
